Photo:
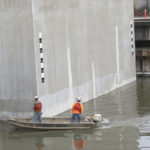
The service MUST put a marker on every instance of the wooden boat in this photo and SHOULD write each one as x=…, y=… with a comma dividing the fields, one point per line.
x=52, y=124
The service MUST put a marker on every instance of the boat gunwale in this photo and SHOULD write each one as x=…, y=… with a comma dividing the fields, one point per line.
x=52, y=128
x=24, y=120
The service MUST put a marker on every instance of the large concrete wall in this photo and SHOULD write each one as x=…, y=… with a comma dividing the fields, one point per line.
x=87, y=50
x=17, y=61
x=86, y=47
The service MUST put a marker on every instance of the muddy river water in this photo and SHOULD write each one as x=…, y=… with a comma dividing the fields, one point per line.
x=126, y=113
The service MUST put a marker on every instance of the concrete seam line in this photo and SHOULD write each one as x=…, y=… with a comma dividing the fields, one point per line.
x=117, y=56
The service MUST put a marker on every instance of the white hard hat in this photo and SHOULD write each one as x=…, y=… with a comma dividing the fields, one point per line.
x=36, y=97
x=78, y=98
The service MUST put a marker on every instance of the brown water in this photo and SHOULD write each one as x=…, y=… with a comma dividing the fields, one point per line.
x=126, y=126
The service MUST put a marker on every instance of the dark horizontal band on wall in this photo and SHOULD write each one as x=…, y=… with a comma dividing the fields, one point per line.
x=142, y=43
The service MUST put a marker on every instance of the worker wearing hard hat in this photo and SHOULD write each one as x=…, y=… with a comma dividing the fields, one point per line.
x=37, y=107
x=77, y=110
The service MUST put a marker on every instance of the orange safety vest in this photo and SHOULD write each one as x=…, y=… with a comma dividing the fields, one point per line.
x=38, y=107
x=77, y=108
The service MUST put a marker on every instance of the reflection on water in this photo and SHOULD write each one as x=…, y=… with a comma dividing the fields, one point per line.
x=78, y=141
x=127, y=125
x=40, y=144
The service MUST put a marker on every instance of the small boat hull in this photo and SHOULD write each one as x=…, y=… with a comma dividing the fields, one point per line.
x=52, y=124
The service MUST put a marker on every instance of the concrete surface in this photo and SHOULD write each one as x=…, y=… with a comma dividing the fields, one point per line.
x=86, y=51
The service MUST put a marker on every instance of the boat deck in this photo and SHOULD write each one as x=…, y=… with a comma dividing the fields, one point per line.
x=51, y=120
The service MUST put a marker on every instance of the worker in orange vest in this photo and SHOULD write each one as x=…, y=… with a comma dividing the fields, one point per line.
x=77, y=110
x=37, y=107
